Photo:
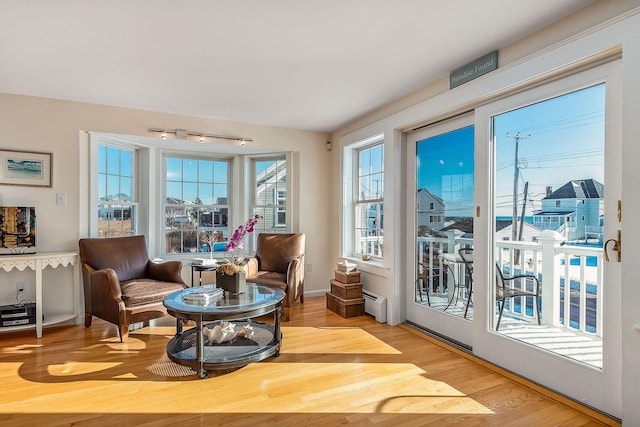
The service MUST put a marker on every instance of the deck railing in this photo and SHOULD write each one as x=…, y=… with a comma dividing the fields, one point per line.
x=567, y=273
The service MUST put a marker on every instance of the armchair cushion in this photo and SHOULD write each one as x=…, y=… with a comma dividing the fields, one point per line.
x=144, y=291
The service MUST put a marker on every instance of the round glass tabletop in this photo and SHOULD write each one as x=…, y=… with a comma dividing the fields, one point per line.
x=254, y=298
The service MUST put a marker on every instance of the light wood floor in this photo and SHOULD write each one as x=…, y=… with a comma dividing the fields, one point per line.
x=332, y=371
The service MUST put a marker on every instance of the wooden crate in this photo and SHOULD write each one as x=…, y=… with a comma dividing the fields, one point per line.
x=345, y=307
x=351, y=277
x=346, y=290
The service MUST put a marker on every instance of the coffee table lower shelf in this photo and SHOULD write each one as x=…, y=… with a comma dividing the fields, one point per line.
x=182, y=348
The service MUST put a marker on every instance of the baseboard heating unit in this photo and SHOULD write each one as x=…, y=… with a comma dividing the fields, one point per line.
x=376, y=305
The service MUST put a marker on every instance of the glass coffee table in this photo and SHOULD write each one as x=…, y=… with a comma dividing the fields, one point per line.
x=192, y=349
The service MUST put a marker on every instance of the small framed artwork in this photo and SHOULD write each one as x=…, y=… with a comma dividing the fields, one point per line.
x=25, y=168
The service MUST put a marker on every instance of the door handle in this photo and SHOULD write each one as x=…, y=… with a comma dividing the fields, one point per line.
x=617, y=247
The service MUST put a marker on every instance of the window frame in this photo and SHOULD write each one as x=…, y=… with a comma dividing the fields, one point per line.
x=186, y=207
x=96, y=141
x=377, y=251
x=257, y=207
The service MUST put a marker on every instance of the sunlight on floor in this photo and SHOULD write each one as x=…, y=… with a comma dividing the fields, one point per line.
x=348, y=385
x=332, y=340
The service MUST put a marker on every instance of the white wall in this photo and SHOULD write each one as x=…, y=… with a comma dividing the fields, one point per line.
x=46, y=125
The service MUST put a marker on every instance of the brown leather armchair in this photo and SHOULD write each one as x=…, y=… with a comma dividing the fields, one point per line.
x=122, y=285
x=279, y=262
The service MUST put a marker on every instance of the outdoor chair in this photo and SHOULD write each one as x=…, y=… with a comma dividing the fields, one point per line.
x=466, y=254
x=516, y=286
x=423, y=276
x=122, y=285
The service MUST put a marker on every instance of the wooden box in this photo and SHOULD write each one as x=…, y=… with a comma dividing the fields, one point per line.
x=344, y=277
x=346, y=290
x=345, y=307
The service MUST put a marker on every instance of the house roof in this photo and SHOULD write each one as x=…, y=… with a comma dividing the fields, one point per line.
x=438, y=199
x=579, y=189
x=553, y=213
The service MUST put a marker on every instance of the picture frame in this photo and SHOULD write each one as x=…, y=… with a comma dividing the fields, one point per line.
x=28, y=168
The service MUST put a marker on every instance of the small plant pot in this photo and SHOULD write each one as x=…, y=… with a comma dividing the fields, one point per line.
x=235, y=284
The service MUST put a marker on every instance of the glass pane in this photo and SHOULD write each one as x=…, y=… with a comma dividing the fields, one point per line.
x=364, y=164
x=220, y=194
x=282, y=171
x=444, y=203
x=126, y=163
x=189, y=191
x=376, y=185
x=549, y=178
x=113, y=160
x=102, y=159
x=113, y=187
x=220, y=172
x=174, y=169
x=365, y=188
x=102, y=187
x=174, y=192
x=190, y=170
x=205, y=194
x=205, y=170
x=377, y=159
x=126, y=189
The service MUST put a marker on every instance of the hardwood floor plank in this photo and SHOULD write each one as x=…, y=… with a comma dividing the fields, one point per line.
x=331, y=371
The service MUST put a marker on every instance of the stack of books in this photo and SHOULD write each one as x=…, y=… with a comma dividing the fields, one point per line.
x=202, y=295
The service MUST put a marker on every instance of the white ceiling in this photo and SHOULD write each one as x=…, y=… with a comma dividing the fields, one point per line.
x=304, y=64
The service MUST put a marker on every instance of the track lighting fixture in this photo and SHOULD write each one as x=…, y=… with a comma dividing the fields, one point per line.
x=200, y=136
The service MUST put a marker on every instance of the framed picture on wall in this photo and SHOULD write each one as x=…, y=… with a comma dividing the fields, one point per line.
x=25, y=168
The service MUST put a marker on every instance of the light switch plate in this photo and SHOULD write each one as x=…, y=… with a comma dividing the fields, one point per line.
x=61, y=199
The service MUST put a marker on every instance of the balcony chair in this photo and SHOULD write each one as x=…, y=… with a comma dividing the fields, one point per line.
x=425, y=274
x=466, y=254
x=122, y=285
x=279, y=262
x=519, y=289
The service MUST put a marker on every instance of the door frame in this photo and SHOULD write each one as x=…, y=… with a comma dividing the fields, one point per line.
x=597, y=388
x=451, y=327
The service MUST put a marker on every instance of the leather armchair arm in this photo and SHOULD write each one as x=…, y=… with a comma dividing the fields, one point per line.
x=168, y=271
x=251, y=267
x=105, y=285
x=295, y=276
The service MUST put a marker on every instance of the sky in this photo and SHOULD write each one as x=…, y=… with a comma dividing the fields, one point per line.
x=562, y=140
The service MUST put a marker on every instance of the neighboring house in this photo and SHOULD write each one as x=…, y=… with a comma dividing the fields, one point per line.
x=114, y=210
x=430, y=210
x=503, y=231
x=573, y=210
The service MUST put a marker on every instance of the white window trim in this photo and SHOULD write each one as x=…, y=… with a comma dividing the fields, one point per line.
x=94, y=142
x=163, y=192
x=291, y=217
x=350, y=195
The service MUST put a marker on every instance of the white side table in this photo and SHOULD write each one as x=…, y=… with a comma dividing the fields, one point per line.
x=38, y=262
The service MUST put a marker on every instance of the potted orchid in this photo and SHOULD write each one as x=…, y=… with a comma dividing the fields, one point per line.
x=230, y=275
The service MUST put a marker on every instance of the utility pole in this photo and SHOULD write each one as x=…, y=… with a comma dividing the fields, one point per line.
x=516, y=174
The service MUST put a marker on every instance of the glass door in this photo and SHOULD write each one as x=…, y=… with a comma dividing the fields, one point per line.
x=442, y=203
x=547, y=295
